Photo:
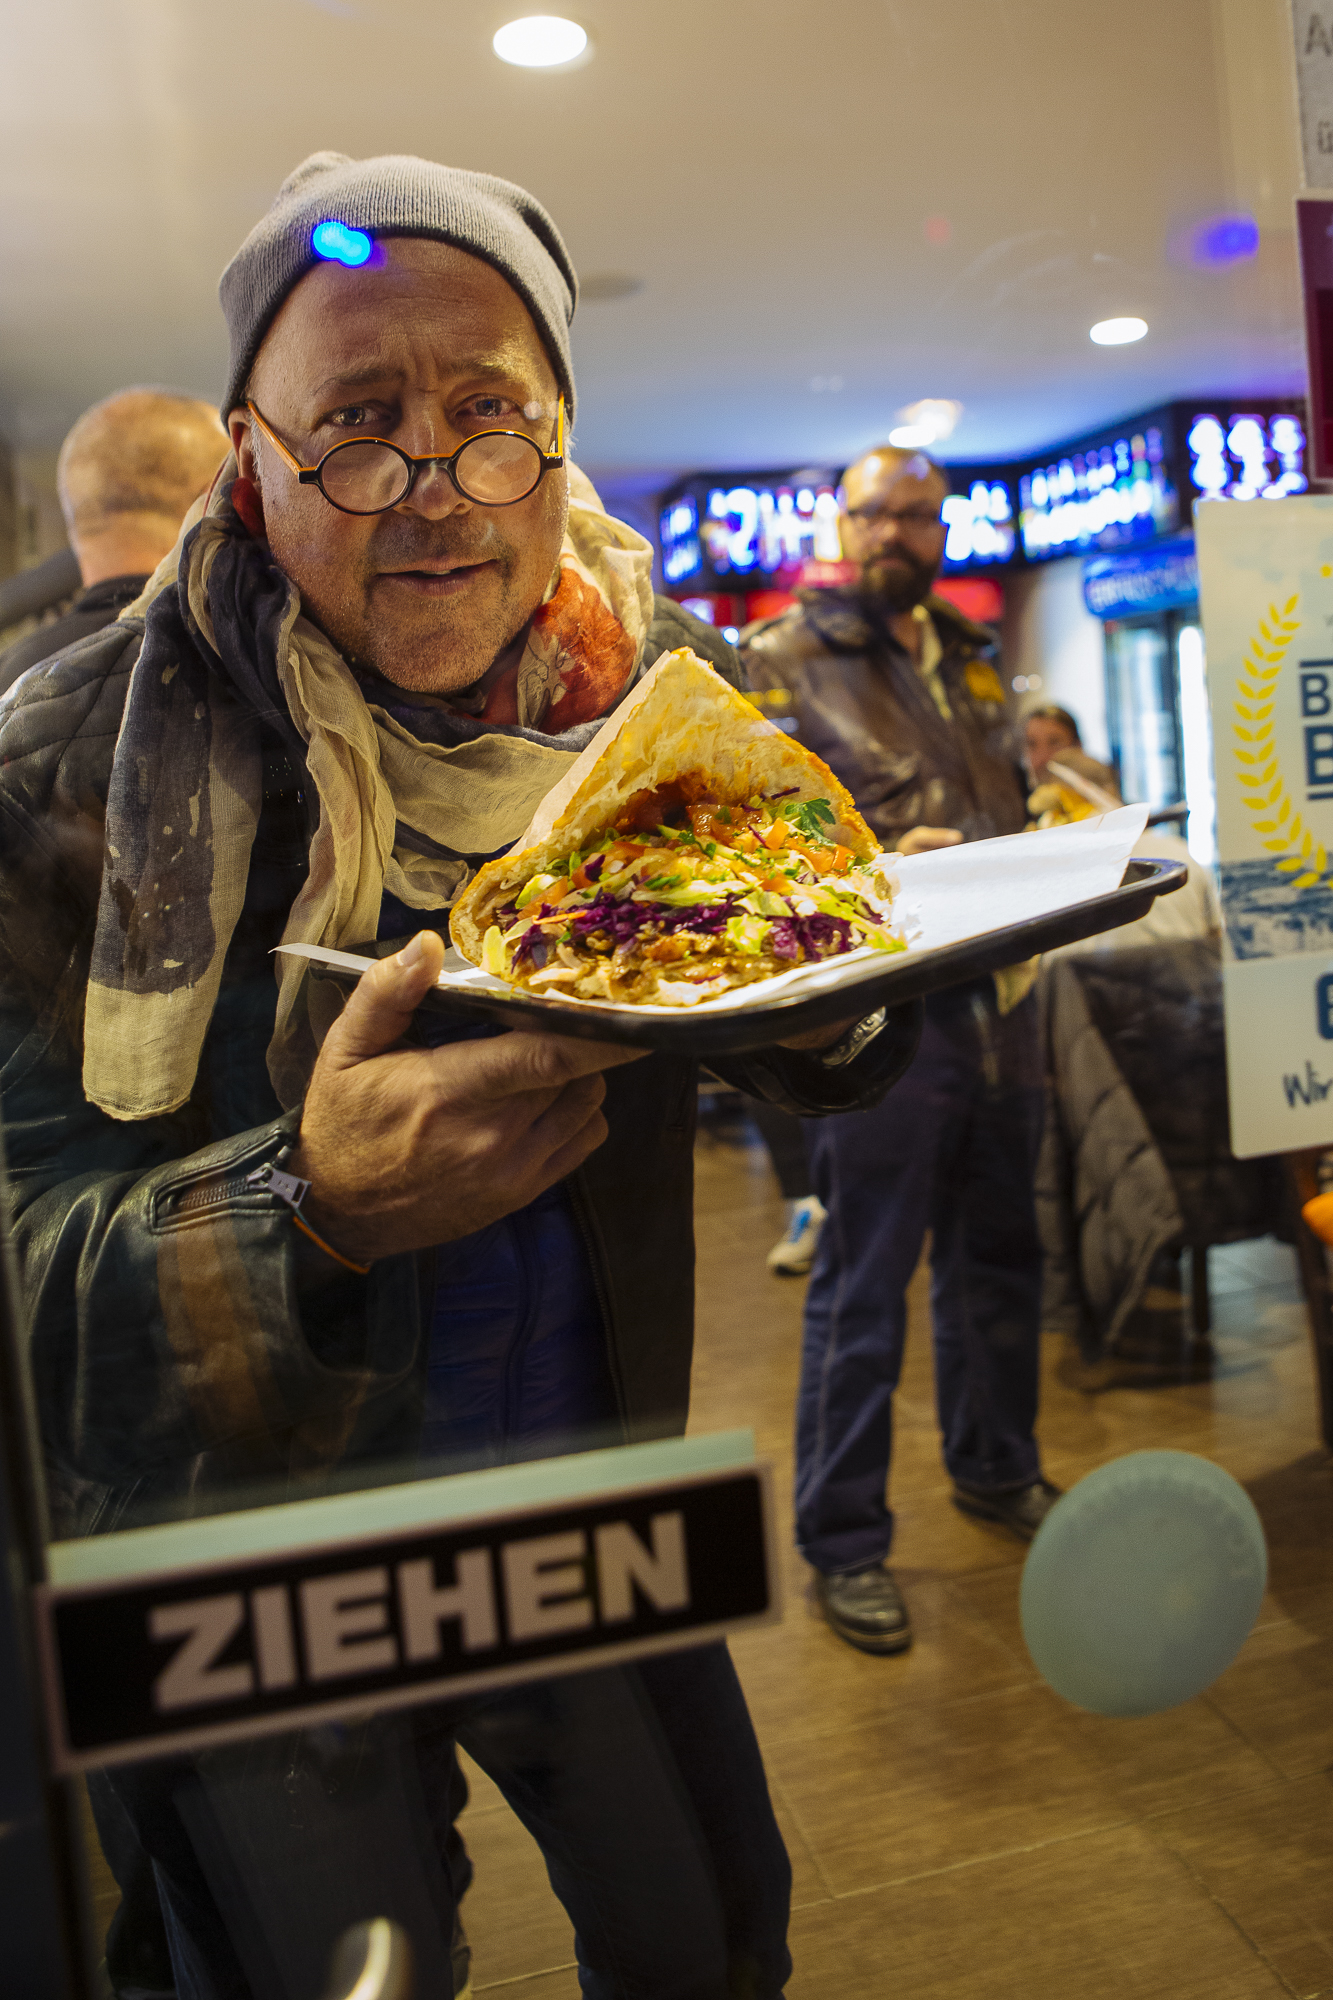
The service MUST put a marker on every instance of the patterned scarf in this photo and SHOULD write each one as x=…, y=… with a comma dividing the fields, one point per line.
x=412, y=792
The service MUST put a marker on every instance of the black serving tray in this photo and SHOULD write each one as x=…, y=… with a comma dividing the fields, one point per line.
x=868, y=984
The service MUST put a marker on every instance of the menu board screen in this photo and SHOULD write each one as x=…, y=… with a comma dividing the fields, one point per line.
x=1102, y=497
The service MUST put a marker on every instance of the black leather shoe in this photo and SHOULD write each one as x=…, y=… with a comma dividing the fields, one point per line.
x=865, y=1607
x=1021, y=1509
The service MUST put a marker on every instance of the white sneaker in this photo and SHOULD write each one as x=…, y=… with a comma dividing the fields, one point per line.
x=793, y=1256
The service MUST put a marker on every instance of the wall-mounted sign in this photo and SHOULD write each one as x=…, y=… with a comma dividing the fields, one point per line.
x=1266, y=593
x=1106, y=494
x=1128, y=486
x=1312, y=29
x=765, y=529
x=682, y=550
x=780, y=530
x=1240, y=455
x=1162, y=578
x=1137, y=482
x=981, y=525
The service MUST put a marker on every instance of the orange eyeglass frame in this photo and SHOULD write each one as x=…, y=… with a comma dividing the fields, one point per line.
x=312, y=475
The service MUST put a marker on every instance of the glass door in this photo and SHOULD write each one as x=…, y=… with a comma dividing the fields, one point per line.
x=1157, y=713
x=1196, y=741
x=1143, y=709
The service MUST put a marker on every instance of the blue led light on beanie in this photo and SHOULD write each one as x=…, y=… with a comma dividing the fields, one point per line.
x=338, y=244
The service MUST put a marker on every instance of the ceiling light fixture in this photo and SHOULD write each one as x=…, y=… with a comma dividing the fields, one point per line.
x=926, y=423
x=540, y=41
x=1117, y=332
x=600, y=287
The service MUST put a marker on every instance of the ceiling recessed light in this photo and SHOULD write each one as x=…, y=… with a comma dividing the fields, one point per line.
x=540, y=41
x=600, y=287
x=928, y=422
x=1117, y=332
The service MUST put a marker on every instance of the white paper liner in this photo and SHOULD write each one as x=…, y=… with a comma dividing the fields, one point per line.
x=944, y=897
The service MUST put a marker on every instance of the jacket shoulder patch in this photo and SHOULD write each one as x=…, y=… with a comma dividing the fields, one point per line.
x=983, y=683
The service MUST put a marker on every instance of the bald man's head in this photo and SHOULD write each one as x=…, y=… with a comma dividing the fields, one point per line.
x=891, y=526
x=128, y=471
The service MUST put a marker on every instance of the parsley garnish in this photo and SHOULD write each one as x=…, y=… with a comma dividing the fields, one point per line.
x=813, y=816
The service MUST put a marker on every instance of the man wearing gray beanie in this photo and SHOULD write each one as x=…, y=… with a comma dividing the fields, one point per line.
x=268, y=1247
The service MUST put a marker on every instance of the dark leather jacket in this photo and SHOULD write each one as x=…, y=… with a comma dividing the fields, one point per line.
x=98, y=605
x=859, y=702
x=186, y=1343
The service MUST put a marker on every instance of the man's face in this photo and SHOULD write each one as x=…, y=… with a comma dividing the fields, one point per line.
x=891, y=526
x=424, y=346
x=1045, y=738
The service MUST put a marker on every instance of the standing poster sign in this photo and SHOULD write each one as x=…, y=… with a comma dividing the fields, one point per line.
x=1266, y=594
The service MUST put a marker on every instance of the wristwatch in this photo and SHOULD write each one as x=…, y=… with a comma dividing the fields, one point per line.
x=854, y=1041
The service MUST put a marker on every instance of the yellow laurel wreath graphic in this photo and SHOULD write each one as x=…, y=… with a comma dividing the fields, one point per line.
x=1267, y=799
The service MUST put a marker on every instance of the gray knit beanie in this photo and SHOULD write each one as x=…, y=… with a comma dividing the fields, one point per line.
x=397, y=195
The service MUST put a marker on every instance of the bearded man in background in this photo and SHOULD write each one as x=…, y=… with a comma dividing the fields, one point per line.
x=899, y=694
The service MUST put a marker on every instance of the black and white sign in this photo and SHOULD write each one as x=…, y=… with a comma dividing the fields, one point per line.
x=1312, y=32
x=145, y=1665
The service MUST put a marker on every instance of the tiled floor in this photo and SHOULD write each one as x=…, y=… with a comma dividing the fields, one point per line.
x=956, y=1831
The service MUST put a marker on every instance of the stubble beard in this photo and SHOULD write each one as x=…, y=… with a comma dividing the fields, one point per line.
x=438, y=646
x=897, y=585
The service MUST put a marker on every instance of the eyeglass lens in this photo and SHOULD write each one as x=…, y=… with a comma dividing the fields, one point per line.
x=365, y=477
x=915, y=517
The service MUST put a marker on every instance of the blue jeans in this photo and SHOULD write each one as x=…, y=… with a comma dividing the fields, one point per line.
x=952, y=1149
x=642, y=1784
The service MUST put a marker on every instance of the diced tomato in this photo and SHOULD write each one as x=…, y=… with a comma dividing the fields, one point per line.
x=774, y=835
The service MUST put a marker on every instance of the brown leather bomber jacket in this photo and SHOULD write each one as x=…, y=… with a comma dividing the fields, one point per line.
x=859, y=702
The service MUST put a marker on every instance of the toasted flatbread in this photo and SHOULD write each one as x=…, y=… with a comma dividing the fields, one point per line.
x=685, y=765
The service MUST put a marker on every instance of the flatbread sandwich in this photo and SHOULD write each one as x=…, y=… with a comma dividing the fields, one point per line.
x=692, y=849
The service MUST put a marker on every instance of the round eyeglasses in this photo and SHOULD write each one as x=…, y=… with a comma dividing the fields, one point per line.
x=370, y=475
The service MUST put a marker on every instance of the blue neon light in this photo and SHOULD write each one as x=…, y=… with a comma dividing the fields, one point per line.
x=338, y=244
x=1225, y=239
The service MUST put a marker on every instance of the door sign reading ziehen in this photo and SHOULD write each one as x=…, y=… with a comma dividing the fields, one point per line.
x=182, y=1660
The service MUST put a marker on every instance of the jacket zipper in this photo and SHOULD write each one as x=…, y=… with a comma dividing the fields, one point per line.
x=211, y=1194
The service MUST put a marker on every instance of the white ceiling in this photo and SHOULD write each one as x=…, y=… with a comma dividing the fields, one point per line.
x=766, y=167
